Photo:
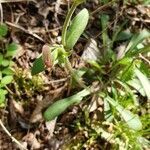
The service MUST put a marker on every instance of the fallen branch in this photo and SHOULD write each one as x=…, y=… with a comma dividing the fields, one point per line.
x=12, y=138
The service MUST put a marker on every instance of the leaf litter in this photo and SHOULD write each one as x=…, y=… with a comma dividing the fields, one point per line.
x=32, y=25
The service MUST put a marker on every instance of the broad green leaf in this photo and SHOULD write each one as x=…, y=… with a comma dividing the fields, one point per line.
x=137, y=39
x=124, y=35
x=6, y=80
x=76, y=28
x=3, y=30
x=5, y=62
x=3, y=91
x=132, y=120
x=61, y=105
x=144, y=82
x=7, y=71
x=11, y=49
x=38, y=66
x=2, y=96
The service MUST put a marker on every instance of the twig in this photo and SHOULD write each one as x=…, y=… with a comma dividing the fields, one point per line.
x=102, y=7
x=12, y=138
x=145, y=59
x=25, y=30
x=12, y=1
x=1, y=12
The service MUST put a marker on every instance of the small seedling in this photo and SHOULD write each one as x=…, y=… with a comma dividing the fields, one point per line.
x=58, y=54
x=6, y=72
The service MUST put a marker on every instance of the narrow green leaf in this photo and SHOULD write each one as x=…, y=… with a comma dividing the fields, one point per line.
x=38, y=66
x=132, y=120
x=144, y=82
x=0, y=75
x=1, y=58
x=136, y=84
x=145, y=49
x=104, y=23
x=76, y=28
x=78, y=2
x=61, y=105
x=137, y=39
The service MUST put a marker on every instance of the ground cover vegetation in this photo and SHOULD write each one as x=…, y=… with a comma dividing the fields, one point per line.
x=75, y=74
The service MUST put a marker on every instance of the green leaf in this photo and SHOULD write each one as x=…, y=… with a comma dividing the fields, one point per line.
x=132, y=120
x=61, y=105
x=7, y=71
x=136, y=84
x=5, y=62
x=3, y=30
x=137, y=39
x=11, y=49
x=38, y=66
x=144, y=82
x=6, y=80
x=78, y=2
x=2, y=96
x=145, y=49
x=104, y=23
x=76, y=28
x=1, y=58
x=124, y=35
x=0, y=75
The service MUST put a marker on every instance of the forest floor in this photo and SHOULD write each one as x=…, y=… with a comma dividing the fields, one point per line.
x=34, y=23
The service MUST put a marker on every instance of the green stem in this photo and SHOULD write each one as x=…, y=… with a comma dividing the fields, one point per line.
x=66, y=23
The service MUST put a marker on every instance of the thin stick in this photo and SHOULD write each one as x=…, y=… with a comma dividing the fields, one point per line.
x=12, y=138
x=1, y=12
x=25, y=30
x=143, y=58
x=102, y=7
x=12, y=1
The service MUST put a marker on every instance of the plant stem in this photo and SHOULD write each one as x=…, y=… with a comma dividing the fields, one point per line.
x=66, y=23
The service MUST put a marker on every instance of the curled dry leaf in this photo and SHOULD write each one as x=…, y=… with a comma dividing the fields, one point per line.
x=91, y=51
x=18, y=107
x=51, y=126
x=32, y=141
